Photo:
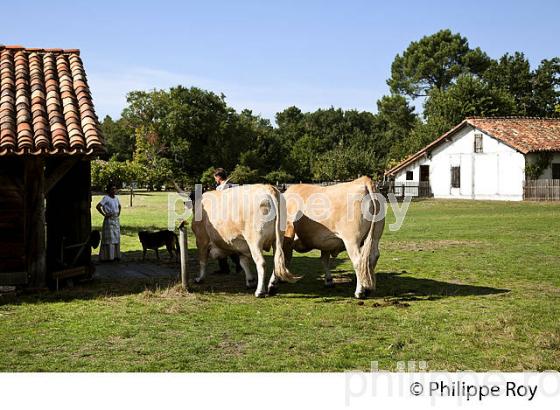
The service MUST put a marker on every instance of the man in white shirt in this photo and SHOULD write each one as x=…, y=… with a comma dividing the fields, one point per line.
x=221, y=179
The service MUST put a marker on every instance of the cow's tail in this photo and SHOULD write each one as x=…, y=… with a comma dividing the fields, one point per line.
x=364, y=270
x=280, y=269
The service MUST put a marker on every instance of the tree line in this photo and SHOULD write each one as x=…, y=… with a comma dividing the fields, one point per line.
x=180, y=134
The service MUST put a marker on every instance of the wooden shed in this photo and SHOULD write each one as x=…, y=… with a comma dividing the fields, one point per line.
x=49, y=132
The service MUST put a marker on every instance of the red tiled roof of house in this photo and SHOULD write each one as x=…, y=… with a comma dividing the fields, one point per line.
x=525, y=134
x=45, y=103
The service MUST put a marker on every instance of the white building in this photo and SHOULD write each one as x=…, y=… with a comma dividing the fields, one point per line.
x=483, y=158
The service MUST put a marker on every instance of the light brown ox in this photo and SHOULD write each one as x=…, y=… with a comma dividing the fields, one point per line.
x=330, y=218
x=242, y=220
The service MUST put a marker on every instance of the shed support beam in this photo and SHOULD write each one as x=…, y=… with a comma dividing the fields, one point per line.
x=35, y=233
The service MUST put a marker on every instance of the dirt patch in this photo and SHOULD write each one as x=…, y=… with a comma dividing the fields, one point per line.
x=231, y=348
x=391, y=302
x=549, y=340
x=428, y=245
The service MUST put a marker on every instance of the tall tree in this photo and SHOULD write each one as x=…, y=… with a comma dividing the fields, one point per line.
x=119, y=138
x=194, y=128
x=469, y=96
x=154, y=168
x=512, y=73
x=396, y=120
x=266, y=151
x=434, y=62
x=317, y=140
x=290, y=124
x=546, y=89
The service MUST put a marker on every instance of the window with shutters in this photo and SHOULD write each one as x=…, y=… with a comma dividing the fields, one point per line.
x=478, y=143
x=455, y=177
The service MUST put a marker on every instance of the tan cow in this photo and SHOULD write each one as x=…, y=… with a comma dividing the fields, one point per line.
x=332, y=219
x=243, y=220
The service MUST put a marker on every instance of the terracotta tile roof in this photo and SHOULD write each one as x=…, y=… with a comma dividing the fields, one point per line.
x=525, y=134
x=45, y=103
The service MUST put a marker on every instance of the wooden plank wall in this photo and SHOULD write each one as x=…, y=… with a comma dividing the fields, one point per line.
x=12, y=248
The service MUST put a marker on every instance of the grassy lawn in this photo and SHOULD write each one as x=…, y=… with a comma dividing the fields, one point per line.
x=463, y=285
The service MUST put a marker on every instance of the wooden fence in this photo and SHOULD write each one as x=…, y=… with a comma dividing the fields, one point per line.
x=415, y=189
x=542, y=190
x=400, y=189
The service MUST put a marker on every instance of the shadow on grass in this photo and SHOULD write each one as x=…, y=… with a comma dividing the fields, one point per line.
x=390, y=285
x=402, y=286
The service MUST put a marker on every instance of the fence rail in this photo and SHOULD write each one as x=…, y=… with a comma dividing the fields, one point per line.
x=542, y=190
x=400, y=189
x=415, y=189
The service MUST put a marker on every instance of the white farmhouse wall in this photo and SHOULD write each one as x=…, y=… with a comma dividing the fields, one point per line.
x=496, y=173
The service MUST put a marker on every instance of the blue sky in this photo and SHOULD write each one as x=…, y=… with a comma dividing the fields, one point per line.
x=266, y=56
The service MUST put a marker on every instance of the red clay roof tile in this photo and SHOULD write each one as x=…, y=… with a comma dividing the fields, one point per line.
x=45, y=103
x=525, y=134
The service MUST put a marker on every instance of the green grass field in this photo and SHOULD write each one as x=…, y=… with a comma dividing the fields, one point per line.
x=463, y=286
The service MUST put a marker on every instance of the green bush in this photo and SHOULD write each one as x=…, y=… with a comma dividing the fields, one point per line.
x=114, y=172
x=343, y=164
x=207, y=178
x=278, y=177
x=158, y=174
x=244, y=175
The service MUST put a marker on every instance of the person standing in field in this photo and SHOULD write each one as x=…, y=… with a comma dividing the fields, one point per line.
x=110, y=208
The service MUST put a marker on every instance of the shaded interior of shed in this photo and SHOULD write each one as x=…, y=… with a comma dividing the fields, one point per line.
x=45, y=219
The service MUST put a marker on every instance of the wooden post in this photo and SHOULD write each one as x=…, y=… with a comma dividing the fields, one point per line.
x=36, y=252
x=184, y=257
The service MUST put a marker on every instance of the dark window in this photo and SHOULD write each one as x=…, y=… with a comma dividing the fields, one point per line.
x=455, y=177
x=555, y=171
x=409, y=175
x=478, y=143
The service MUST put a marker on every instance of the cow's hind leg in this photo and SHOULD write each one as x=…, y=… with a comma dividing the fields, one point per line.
x=354, y=253
x=373, y=258
x=202, y=259
x=325, y=258
x=258, y=258
x=273, y=284
x=250, y=278
x=374, y=255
